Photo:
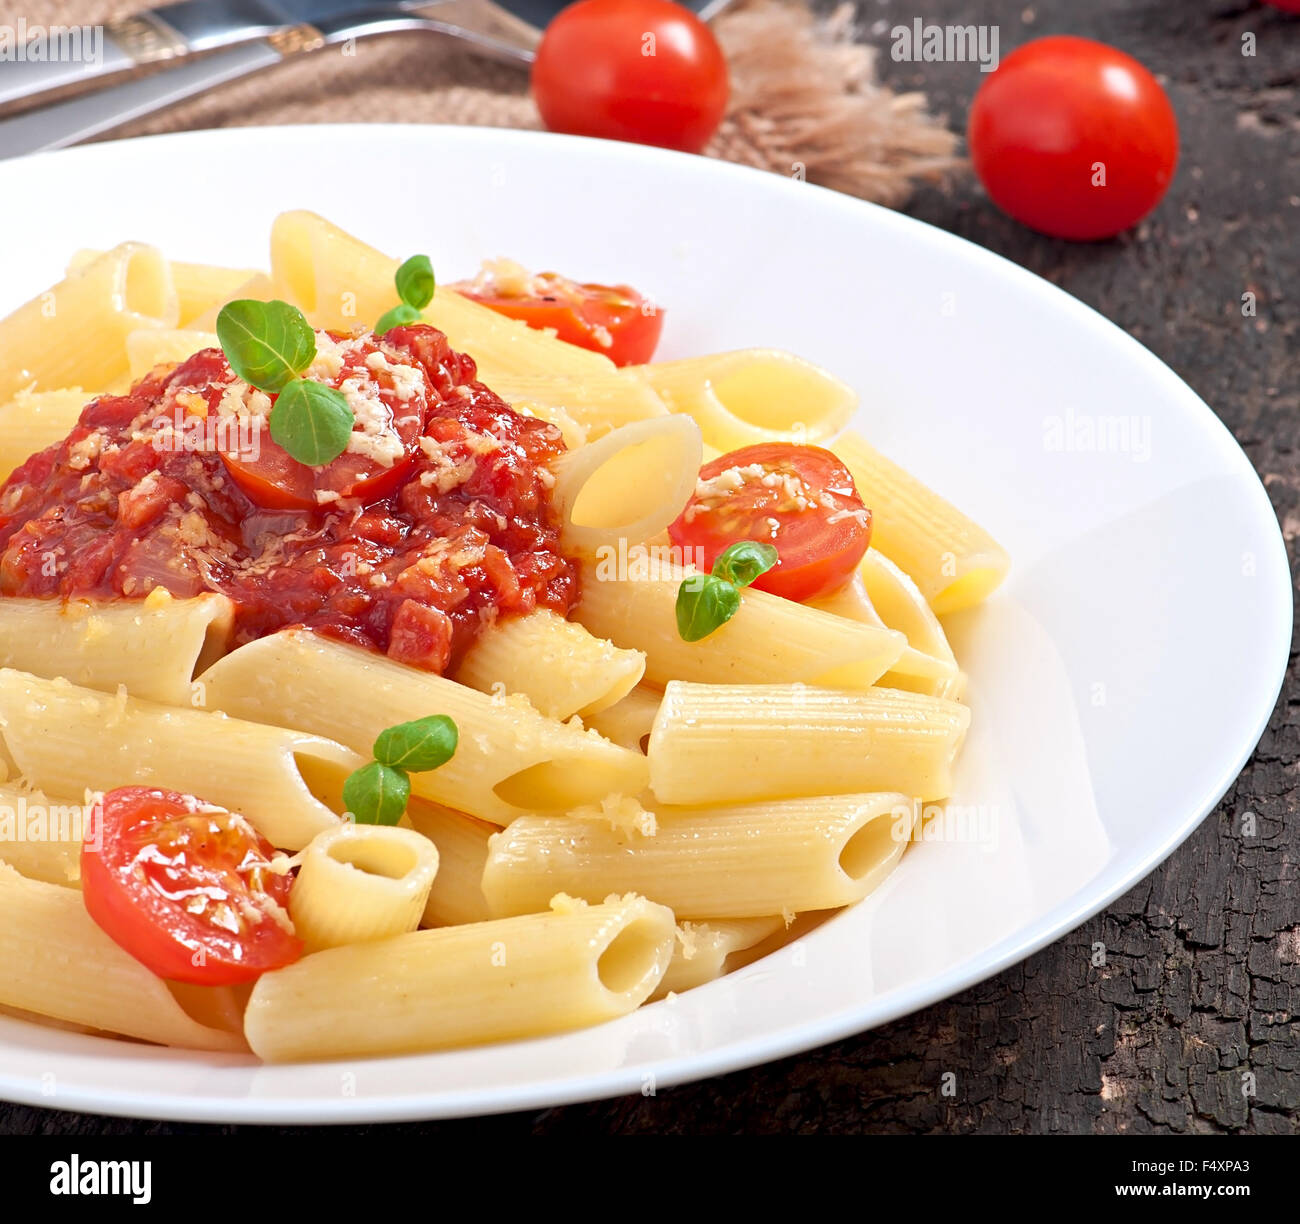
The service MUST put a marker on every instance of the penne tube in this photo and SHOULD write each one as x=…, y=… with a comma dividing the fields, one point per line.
x=560, y=667
x=199, y=287
x=597, y=401
x=358, y=883
x=769, y=640
x=55, y=962
x=258, y=287
x=953, y=561
x=628, y=722
x=753, y=395
x=164, y=346
x=65, y=740
x=730, y=743
x=628, y=486
x=41, y=837
x=881, y=594
x=705, y=951
x=509, y=760
x=33, y=420
x=738, y=861
x=464, y=985
x=462, y=841
x=154, y=646
x=74, y=335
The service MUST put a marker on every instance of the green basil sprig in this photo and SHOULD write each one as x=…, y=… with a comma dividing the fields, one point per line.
x=415, y=286
x=378, y=793
x=706, y=602
x=269, y=345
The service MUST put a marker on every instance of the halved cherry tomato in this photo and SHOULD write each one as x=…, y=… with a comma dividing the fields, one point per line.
x=185, y=888
x=612, y=319
x=1073, y=138
x=644, y=70
x=274, y=479
x=800, y=499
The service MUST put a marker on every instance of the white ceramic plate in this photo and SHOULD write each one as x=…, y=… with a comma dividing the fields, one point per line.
x=1118, y=682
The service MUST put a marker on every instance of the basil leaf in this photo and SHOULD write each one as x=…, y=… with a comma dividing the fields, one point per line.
x=377, y=794
x=397, y=317
x=311, y=421
x=424, y=743
x=266, y=343
x=415, y=283
x=704, y=603
x=745, y=561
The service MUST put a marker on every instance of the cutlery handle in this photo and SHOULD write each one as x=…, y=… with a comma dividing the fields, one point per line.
x=65, y=123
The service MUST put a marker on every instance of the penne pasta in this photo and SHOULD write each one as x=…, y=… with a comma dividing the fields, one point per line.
x=953, y=561
x=628, y=486
x=33, y=420
x=456, y=896
x=628, y=722
x=723, y=743
x=706, y=951
x=41, y=837
x=75, y=334
x=155, y=646
x=754, y=395
x=735, y=861
x=199, y=287
x=359, y=883
x=464, y=985
x=65, y=740
x=164, y=346
x=598, y=402
x=560, y=667
x=58, y=963
x=769, y=640
x=509, y=760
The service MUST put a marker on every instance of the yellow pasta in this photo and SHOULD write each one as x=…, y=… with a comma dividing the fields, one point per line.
x=33, y=420
x=720, y=743
x=769, y=640
x=754, y=395
x=706, y=951
x=560, y=667
x=359, y=883
x=463, y=985
x=954, y=561
x=74, y=335
x=462, y=843
x=734, y=861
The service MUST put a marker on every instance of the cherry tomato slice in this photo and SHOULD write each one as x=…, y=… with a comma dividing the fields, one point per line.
x=1073, y=138
x=612, y=319
x=801, y=499
x=275, y=480
x=643, y=70
x=186, y=889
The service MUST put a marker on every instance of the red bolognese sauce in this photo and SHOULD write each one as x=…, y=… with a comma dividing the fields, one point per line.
x=435, y=520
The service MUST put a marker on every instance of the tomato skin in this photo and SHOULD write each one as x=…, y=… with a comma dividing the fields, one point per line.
x=1053, y=111
x=154, y=842
x=593, y=77
x=614, y=320
x=817, y=555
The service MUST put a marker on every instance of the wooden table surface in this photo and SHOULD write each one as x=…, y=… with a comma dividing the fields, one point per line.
x=1203, y=980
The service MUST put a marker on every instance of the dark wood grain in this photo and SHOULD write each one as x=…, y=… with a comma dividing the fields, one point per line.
x=1203, y=977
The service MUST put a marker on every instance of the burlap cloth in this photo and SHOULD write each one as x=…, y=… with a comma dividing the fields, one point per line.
x=805, y=100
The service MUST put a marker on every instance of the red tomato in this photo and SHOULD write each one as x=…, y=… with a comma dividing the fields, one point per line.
x=277, y=481
x=1073, y=138
x=643, y=70
x=801, y=499
x=611, y=319
x=184, y=888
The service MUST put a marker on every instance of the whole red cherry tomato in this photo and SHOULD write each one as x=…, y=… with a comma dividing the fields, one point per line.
x=1073, y=138
x=648, y=71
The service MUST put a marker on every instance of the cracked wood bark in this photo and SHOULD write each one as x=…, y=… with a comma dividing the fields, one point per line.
x=1202, y=980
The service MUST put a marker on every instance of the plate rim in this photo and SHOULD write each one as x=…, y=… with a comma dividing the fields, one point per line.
x=674, y=1070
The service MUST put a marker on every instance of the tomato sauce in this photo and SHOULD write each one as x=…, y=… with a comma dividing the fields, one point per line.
x=436, y=521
